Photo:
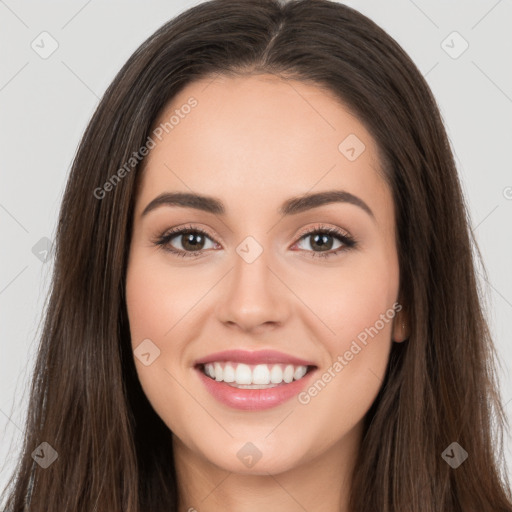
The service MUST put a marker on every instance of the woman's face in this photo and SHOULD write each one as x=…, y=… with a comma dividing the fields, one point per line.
x=256, y=280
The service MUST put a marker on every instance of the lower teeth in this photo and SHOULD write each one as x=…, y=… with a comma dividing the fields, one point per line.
x=252, y=386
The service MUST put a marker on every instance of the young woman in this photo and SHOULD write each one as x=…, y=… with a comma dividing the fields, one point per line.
x=264, y=295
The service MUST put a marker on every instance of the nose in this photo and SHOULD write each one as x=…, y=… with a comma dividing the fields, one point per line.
x=254, y=297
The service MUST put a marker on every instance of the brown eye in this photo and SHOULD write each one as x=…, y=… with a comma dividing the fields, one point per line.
x=189, y=241
x=322, y=240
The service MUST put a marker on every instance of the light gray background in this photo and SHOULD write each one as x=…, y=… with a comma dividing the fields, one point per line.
x=45, y=104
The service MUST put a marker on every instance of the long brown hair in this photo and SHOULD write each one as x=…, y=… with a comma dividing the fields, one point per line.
x=114, y=452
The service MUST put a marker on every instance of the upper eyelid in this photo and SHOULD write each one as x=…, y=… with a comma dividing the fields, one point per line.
x=324, y=227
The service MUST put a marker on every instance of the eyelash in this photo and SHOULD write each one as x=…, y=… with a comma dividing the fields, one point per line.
x=163, y=241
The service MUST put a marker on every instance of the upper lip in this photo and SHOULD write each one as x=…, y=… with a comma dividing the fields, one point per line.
x=254, y=357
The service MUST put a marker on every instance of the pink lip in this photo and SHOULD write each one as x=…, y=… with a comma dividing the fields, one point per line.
x=254, y=357
x=254, y=399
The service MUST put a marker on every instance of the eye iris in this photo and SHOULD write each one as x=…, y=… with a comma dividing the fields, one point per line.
x=188, y=240
x=320, y=241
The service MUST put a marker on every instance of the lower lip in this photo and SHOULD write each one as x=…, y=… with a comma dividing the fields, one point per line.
x=254, y=399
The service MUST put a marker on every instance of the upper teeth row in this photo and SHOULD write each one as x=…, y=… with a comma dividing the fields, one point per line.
x=259, y=374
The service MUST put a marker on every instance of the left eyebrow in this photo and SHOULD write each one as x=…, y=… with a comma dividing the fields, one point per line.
x=300, y=204
x=291, y=206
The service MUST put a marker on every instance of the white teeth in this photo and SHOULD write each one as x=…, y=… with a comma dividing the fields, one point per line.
x=300, y=371
x=276, y=374
x=243, y=374
x=209, y=370
x=229, y=373
x=253, y=376
x=218, y=371
x=288, y=373
x=261, y=374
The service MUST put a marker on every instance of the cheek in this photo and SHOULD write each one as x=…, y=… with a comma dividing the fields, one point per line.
x=145, y=302
x=351, y=299
x=157, y=298
x=358, y=305
x=154, y=308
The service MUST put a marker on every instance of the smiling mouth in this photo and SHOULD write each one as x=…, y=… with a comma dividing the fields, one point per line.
x=254, y=376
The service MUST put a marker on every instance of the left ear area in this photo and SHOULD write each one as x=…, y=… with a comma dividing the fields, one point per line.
x=400, y=328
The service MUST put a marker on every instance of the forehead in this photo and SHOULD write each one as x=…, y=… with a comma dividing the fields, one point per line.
x=261, y=138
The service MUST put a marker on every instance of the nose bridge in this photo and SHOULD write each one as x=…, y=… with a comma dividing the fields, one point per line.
x=254, y=295
x=252, y=263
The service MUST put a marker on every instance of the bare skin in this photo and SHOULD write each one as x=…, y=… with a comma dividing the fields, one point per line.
x=254, y=142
